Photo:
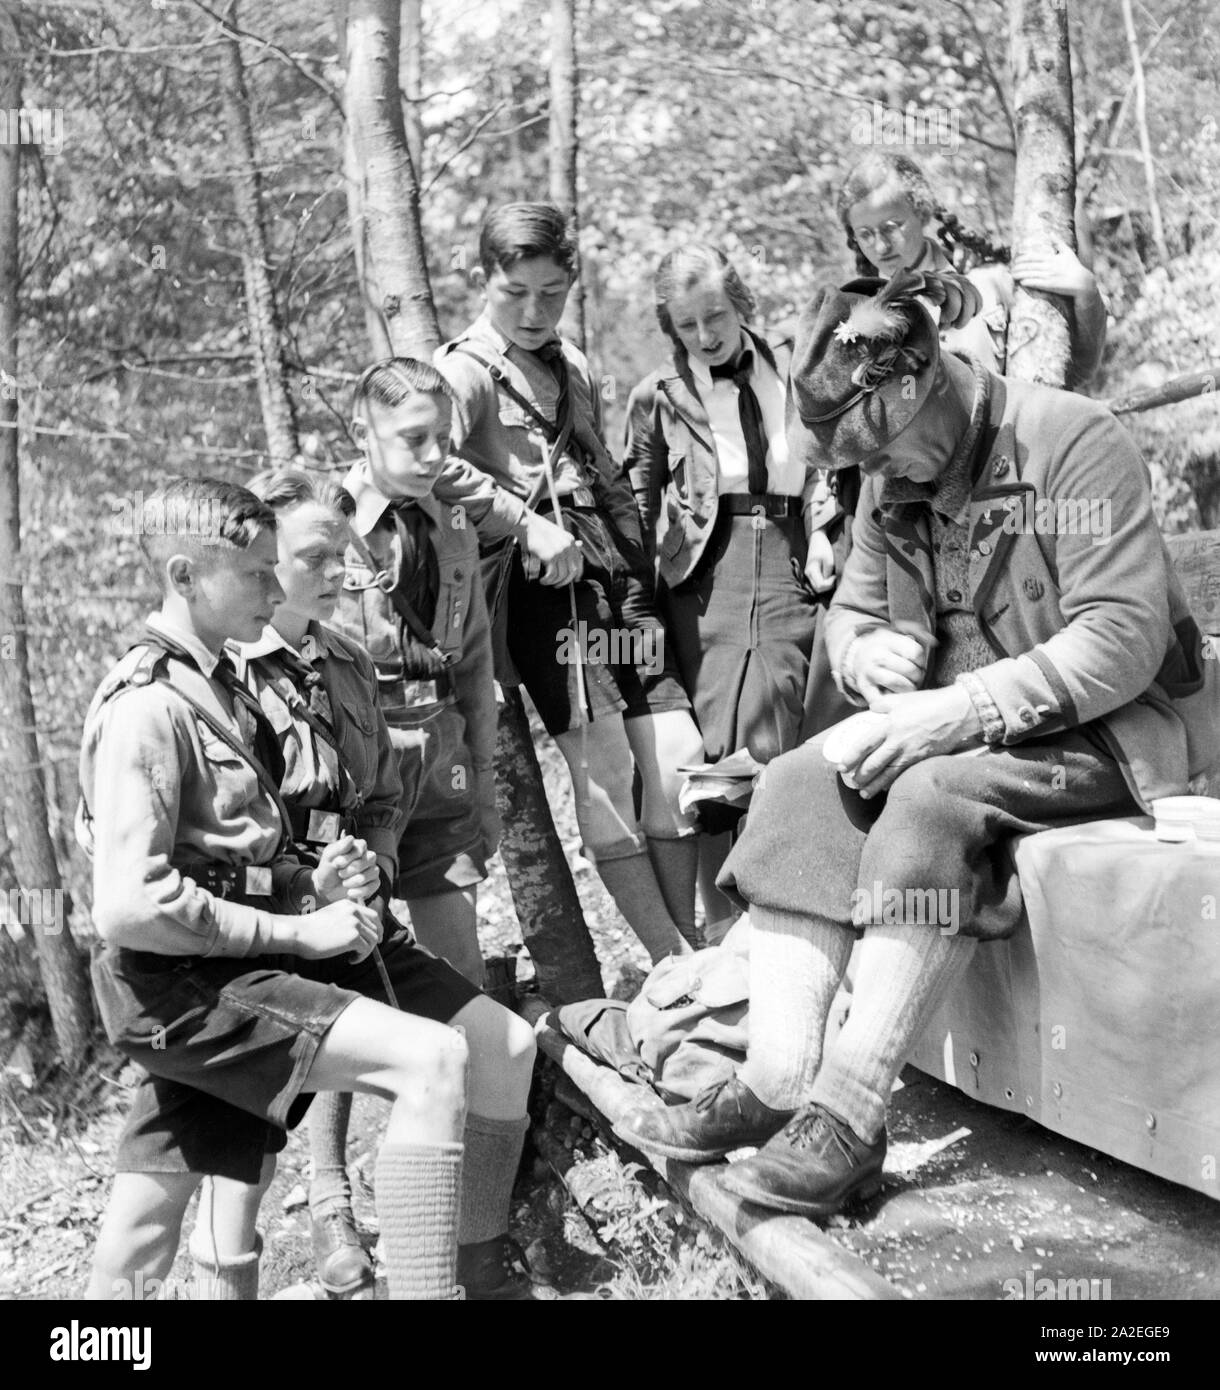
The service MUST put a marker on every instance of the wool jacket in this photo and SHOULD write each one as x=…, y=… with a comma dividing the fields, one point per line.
x=1088, y=621
x=672, y=463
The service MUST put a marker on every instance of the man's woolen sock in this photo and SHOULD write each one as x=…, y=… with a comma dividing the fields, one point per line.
x=489, y=1168
x=901, y=975
x=223, y=1278
x=328, y=1119
x=676, y=865
x=417, y=1206
x=796, y=963
x=633, y=885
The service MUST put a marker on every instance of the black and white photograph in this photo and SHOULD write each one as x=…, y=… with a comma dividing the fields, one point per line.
x=609, y=643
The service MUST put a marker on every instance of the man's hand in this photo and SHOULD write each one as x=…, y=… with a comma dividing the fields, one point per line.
x=922, y=724
x=820, y=563
x=885, y=662
x=346, y=868
x=340, y=928
x=551, y=551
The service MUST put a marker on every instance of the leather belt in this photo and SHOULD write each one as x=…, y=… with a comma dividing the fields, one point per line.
x=229, y=880
x=761, y=504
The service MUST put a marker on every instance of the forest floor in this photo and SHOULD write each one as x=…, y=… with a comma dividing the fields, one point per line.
x=977, y=1202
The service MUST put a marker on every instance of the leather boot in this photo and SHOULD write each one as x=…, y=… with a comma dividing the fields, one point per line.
x=815, y=1166
x=343, y=1264
x=494, y=1271
x=721, y=1118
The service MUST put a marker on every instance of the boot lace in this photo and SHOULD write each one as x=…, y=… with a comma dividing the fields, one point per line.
x=813, y=1128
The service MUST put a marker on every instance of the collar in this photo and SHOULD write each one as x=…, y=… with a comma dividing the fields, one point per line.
x=951, y=493
x=486, y=330
x=318, y=644
x=206, y=660
x=372, y=505
x=702, y=373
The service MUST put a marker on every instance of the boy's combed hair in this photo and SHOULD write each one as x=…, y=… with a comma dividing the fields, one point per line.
x=880, y=169
x=392, y=380
x=284, y=488
x=522, y=231
x=698, y=263
x=199, y=517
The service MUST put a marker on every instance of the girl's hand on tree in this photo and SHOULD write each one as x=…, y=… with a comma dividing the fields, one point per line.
x=1054, y=269
x=820, y=563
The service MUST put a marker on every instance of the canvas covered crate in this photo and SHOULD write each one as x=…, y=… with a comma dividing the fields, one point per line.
x=1100, y=1017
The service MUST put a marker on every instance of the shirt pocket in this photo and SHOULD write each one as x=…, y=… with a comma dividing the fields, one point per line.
x=233, y=780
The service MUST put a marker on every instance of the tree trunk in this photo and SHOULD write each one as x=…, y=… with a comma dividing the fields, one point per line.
x=544, y=895
x=563, y=145
x=43, y=904
x=396, y=266
x=262, y=316
x=1141, y=126
x=412, y=58
x=1039, y=344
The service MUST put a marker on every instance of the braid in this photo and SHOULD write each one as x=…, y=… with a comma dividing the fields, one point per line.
x=965, y=247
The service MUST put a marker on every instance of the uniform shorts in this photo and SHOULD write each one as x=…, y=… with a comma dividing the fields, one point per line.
x=442, y=840
x=625, y=665
x=228, y=1044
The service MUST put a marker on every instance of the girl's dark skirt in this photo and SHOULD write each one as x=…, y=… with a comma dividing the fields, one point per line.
x=743, y=629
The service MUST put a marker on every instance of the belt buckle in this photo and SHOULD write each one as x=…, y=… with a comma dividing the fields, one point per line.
x=758, y=516
x=258, y=881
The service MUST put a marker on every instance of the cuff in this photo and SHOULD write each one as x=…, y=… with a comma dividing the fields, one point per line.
x=984, y=706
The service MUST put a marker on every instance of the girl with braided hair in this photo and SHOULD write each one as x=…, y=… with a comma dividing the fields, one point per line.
x=886, y=205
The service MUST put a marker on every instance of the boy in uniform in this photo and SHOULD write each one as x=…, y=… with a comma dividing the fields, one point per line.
x=237, y=1006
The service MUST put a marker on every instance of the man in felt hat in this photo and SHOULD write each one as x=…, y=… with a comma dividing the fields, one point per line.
x=1021, y=670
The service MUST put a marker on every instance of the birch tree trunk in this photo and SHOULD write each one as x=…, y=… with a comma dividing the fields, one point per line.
x=37, y=899
x=1141, y=127
x=562, y=139
x=1039, y=344
x=262, y=314
x=396, y=266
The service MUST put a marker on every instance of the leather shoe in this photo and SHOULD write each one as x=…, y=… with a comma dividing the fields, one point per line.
x=814, y=1166
x=494, y=1271
x=343, y=1264
x=722, y=1117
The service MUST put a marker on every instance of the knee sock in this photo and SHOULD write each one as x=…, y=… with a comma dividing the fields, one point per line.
x=489, y=1168
x=224, y=1278
x=328, y=1119
x=903, y=973
x=676, y=865
x=633, y=885
x=796, y=964
x=417, y=1206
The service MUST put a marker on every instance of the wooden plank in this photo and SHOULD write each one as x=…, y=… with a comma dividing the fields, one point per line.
x=788, y=1250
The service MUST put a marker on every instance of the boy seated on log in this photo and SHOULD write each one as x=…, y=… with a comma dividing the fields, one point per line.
x=236, y=1005
x=1017, y=676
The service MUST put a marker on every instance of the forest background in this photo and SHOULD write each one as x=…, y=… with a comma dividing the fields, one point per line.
x=730, y=122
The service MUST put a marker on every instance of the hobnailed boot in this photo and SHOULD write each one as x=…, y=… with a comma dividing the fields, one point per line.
x=224, y=1279
x=723, y=1117
x=815, y=1166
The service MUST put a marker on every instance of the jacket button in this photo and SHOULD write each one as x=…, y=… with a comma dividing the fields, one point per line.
x=1001, y=467
x=954, y=595
x=1027, y=715
x=458, y=576
x=984, y=547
